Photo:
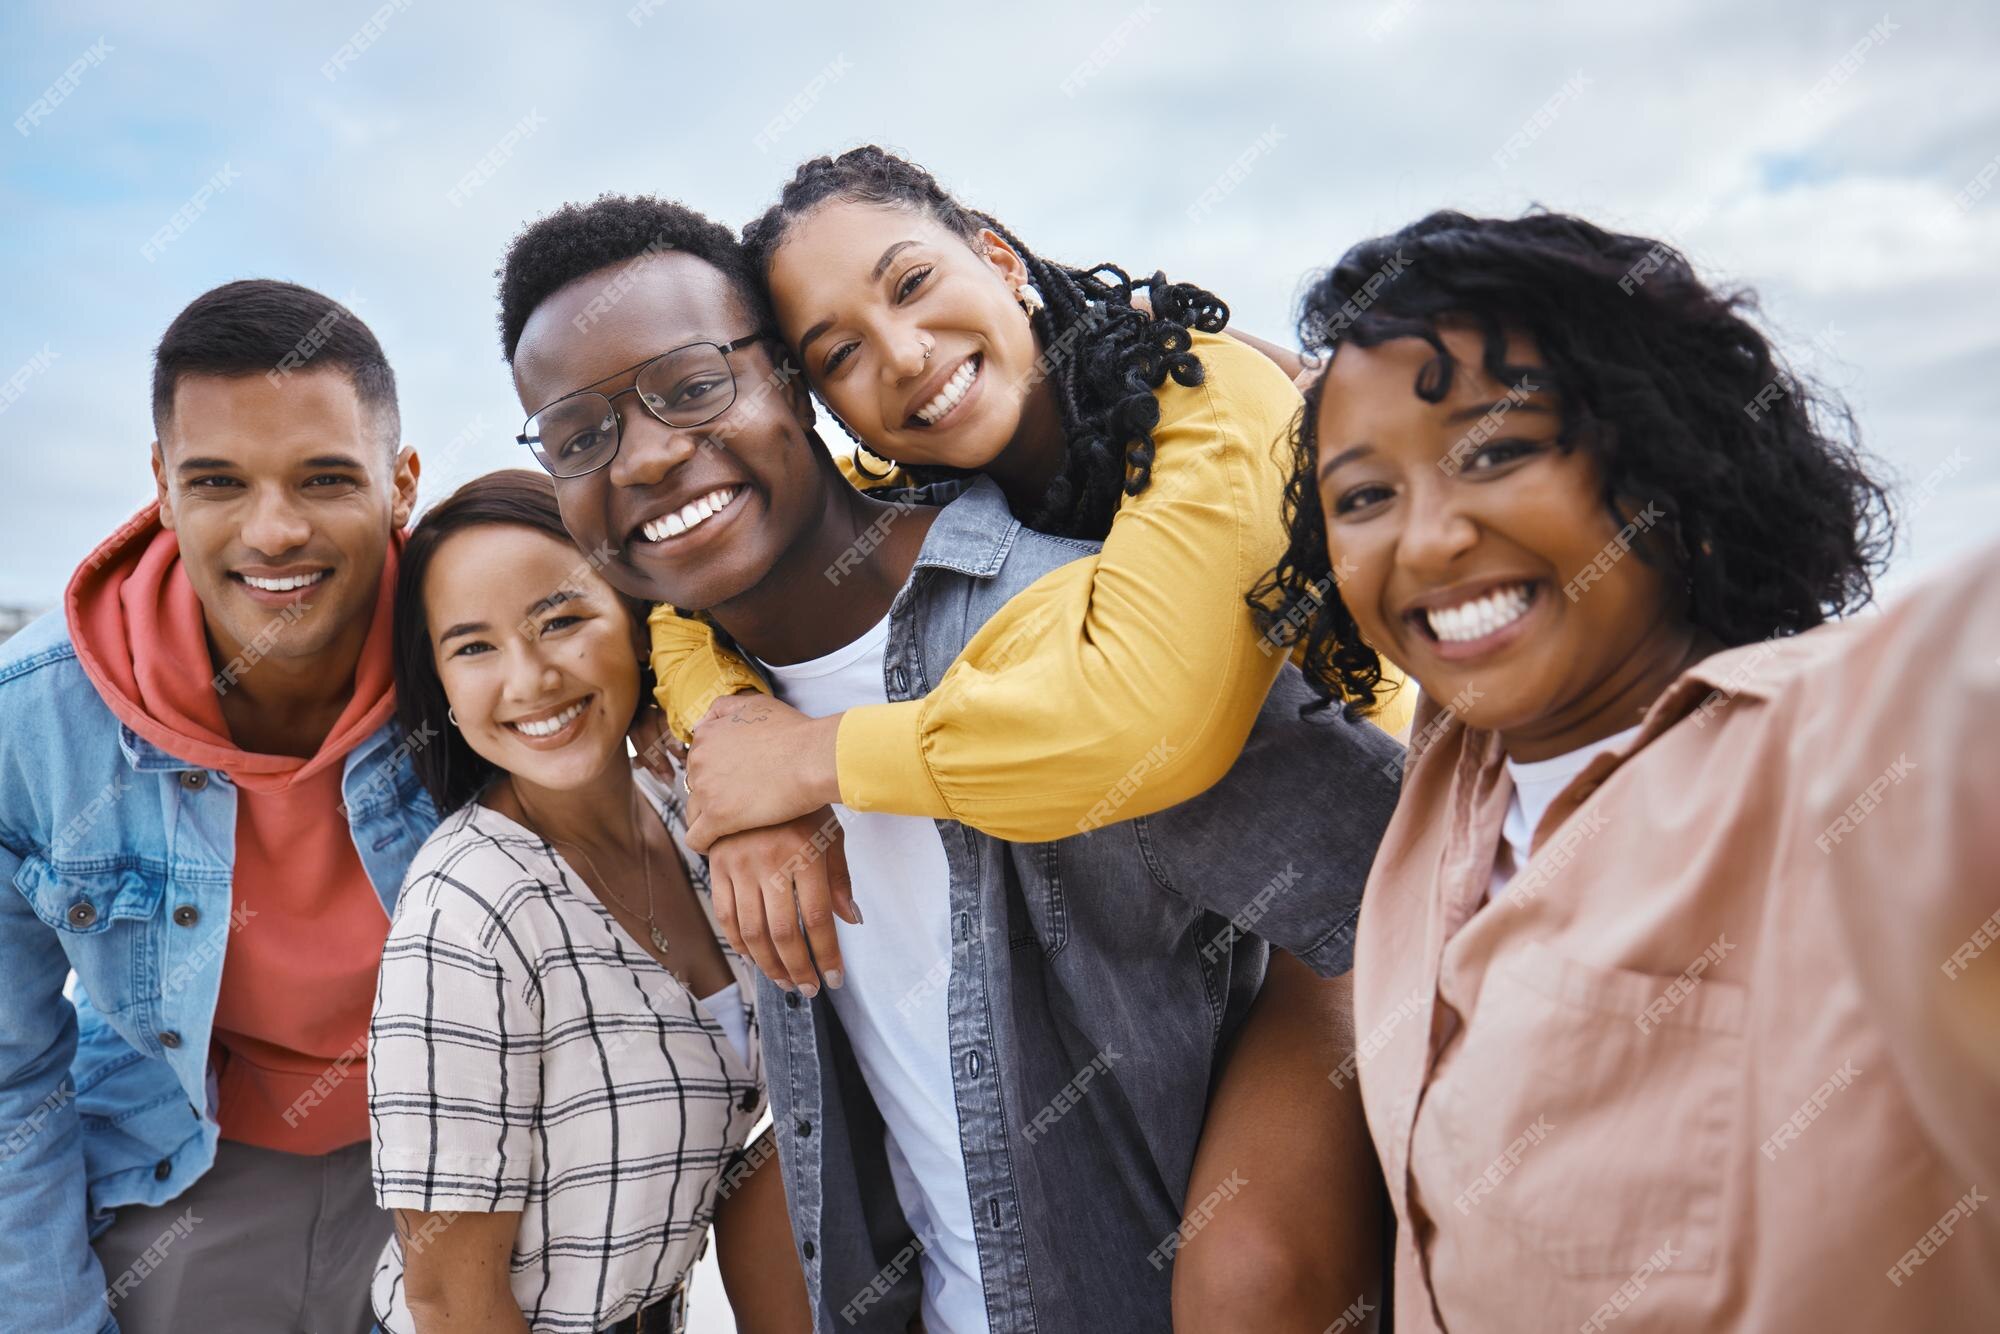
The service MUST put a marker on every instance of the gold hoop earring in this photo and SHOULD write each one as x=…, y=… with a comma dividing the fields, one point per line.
x=861, y=451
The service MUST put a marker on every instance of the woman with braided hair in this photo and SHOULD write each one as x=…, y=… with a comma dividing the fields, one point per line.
x=1124, y=683
x=1107, y=409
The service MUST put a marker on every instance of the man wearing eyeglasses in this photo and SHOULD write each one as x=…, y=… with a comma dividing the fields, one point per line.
x=205, y=813
x=990, y=1122
x=727, y=385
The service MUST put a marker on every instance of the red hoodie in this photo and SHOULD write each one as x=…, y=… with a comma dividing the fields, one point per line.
x=298, y=978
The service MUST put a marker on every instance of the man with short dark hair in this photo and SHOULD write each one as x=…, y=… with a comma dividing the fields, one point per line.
x=991, y=1121
x=205, y=813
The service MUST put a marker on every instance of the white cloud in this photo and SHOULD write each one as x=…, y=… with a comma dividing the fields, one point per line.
x=1841, y=214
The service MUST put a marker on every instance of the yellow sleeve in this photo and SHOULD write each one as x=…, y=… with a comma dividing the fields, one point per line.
x=1119, y=684
x=691, y=668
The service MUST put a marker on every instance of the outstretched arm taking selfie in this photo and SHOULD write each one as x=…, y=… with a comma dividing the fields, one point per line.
x=1298, y=1244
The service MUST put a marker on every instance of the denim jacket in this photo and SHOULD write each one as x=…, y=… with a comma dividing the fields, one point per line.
x=1095, y=984
x=117, y=860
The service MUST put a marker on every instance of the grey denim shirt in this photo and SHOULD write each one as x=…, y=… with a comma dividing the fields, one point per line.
x=1095, y=982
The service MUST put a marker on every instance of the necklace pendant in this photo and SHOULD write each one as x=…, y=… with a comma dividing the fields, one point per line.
x=659, y=941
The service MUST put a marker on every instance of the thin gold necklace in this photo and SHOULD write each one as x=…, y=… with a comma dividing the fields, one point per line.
x=660, y=942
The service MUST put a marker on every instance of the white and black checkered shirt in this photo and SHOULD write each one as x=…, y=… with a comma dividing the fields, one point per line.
x=526, y=1054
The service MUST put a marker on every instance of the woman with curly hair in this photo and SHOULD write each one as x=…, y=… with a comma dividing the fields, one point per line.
x=1658, y=969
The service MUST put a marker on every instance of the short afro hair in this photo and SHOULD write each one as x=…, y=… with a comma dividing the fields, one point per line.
x=579, y=239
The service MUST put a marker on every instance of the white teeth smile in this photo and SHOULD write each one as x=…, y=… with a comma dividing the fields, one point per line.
x=550, y=726
x=285, y=585
x=691, y=515
x=1481, y=616
x=948, y=397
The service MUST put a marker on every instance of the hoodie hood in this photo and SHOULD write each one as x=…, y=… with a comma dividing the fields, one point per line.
x=142, y=639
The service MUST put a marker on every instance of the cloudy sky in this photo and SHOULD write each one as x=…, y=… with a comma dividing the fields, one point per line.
x=1827, y=153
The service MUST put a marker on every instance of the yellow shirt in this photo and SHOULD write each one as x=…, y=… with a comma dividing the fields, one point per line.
x=1138, y=670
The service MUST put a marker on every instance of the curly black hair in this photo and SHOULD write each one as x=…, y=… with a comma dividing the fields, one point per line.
x=1772, y=515
x=579, y=239
x=1105, y=355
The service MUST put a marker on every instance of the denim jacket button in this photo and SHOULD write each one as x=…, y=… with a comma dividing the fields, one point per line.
x=807, y=1248
x=162, y=1170
x=791, y=1000
x=82, y=913
x=194, y=780
x=186, y=915
x=170, y=1039
x=805, y=1129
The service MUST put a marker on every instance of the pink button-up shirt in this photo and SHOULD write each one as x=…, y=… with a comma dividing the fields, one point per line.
x=1725, y=1053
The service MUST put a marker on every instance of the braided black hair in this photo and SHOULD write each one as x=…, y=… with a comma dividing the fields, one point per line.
x=1772, y=515
x=1105, y=355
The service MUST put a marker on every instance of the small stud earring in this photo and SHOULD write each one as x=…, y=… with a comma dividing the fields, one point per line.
x=1030, y=298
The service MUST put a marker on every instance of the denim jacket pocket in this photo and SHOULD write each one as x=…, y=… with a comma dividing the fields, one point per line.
x=87, y=902
x=103, y=917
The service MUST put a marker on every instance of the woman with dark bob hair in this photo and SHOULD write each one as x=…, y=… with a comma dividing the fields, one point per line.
x=1669, y=972
x=563, y=1061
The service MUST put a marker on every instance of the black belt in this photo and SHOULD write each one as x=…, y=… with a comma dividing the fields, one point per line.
x=665, y=1316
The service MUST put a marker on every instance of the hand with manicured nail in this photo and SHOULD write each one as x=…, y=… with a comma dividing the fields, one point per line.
x=777, y=891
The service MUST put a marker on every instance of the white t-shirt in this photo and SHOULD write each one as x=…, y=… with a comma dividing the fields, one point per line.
x=1537, y=784
x=892, y=1005
x=727, y=1009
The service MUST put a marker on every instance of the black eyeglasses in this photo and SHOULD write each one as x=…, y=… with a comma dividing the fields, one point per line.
x=684, y=386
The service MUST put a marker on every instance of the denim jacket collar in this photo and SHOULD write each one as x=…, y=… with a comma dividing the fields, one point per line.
x=974, y=531
x=146, y=757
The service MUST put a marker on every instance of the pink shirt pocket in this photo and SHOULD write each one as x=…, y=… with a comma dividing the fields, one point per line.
x=1594, y=1139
